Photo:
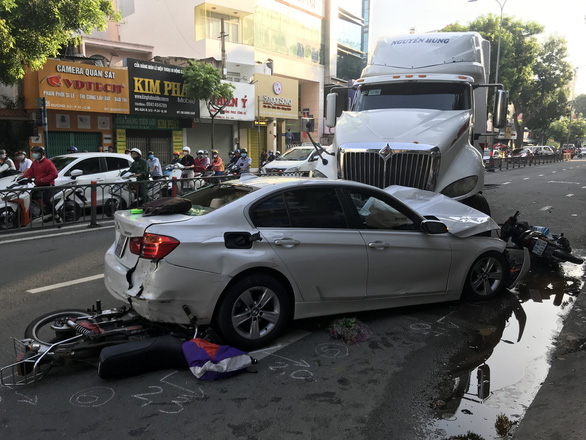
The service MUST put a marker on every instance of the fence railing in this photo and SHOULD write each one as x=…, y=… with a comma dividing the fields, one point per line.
x=518, y=162
x=22, y=206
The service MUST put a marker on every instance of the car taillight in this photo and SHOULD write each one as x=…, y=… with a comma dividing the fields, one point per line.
x=153, y=246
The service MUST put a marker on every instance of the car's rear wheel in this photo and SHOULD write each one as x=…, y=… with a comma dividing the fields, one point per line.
x=487, y=277
x=254, y=312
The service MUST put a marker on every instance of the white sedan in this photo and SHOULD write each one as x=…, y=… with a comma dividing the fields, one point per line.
x=253, y=254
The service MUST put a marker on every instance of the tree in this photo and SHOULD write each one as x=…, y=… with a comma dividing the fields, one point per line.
x=31, y=31
x=204, y=82
x=580, y=105
x=558, y=130
x=535, y=75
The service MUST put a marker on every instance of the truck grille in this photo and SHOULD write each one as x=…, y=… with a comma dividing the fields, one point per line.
x=416, y=169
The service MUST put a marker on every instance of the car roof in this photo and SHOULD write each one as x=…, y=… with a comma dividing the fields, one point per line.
x=96, y=154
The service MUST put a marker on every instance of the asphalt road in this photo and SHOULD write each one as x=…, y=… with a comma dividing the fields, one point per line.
x=406, y=382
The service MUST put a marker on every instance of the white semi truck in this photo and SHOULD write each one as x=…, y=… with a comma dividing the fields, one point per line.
x=418, y=117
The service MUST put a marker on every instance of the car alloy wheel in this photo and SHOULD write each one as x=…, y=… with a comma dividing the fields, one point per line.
x=254, y=312
x=487, y=276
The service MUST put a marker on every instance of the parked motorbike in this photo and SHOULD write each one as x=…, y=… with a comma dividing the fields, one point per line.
x=65, y=337
x=538, y=240
x=18, y=208
x=124, y=193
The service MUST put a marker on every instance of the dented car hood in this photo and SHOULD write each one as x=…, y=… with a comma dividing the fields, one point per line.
x=461, y=220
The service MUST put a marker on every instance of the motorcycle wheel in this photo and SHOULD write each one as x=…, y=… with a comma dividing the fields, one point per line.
x=487, y=277
x=566, y=257
x=51, y=327
x=9, y=219
x=112, y=205
x=70, y=211
x=255, y=310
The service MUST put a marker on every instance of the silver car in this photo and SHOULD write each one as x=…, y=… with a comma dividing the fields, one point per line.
x=252, y=255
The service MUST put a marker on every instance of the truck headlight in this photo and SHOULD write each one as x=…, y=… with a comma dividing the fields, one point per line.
x=460, y=187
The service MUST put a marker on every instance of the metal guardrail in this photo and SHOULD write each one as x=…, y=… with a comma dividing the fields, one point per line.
x=22, y=208
x=512, y=162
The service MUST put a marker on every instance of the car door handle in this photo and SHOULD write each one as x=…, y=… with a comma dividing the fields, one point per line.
x=287, y=242
x=379, y=245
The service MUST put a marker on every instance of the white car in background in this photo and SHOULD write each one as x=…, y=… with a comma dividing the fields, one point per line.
x=295, y=160
x=251, y=255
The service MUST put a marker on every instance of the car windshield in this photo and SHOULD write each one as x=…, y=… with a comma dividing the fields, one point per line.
x=436, y=96
x=62, y=161
x=211, y=197
x=296, y=154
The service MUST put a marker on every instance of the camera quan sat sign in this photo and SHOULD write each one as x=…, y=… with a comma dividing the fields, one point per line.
x=276, y=97
x=82, y=87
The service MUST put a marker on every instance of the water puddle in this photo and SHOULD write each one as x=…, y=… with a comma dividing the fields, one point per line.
x=506, y=362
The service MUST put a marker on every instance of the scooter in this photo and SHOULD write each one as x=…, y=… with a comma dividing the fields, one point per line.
x=18, y=208
x=538, y=240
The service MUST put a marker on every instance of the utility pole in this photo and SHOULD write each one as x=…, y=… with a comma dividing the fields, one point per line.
x=223, y=36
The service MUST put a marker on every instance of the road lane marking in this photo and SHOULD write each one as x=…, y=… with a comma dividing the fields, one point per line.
x=541, y=175
x=506, y=183
x=546, y=208
x=569, y=195
x=66, y=283
x=564, y=182
x=526, y=178
x=59, y=234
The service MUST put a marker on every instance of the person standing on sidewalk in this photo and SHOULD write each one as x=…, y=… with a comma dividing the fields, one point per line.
x=44, y=173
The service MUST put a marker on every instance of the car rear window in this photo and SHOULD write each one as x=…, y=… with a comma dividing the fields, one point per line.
x=212, y=197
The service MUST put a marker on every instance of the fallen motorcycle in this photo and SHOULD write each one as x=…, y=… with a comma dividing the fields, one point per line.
x=66, y=337
x=538, y=240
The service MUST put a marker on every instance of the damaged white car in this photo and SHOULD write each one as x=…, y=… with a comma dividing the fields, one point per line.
x=252, y=255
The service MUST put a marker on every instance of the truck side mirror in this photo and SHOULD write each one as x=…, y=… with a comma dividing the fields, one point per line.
x=307, y=124
x=499, y=115
x=331, y=105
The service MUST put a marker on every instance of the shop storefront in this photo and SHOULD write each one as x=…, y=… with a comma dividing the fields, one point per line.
x=277, y=99
x=231, y=125
x=80, y=100
x=159, y=111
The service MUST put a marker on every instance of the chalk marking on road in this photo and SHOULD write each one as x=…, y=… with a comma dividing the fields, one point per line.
x=569, y=195
x=564, y=182
x=546, y=208
x=66, y=283
x=60, y=234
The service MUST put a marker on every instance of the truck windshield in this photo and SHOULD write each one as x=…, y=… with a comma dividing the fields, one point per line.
x=436, y=96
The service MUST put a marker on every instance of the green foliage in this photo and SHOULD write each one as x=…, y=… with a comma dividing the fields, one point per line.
x=580, y=105
x=558, y=130
x=503, y=424
x=33, y=30
x=203, y=82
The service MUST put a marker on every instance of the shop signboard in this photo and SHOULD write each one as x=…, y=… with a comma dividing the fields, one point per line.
x=82, y=87
x=240, y=108
x=130, y=122
x=277, y=97
x=158, y=90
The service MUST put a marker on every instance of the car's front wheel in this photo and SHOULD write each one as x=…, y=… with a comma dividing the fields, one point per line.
x=255, y=310
x=487, y=277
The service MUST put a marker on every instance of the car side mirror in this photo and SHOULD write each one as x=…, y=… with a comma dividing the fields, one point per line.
x=433, y=227
x=76, y=173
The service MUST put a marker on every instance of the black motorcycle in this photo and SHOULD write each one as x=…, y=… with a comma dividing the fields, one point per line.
x=538, y=240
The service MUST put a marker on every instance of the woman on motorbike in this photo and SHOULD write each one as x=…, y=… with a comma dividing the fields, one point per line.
x=217, y=164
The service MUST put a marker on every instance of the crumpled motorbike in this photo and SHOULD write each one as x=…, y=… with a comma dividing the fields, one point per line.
x=66, y=337
x=538, y=240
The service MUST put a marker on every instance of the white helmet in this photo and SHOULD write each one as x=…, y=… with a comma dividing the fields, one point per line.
x=136, y=150
x=199, y=151
x=186, y=148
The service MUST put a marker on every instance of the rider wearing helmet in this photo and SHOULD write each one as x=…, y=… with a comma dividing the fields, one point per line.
x=140, y=169
x=44, y=173
x=176, y=157
x=188, y=163
x=243, y=164
x=7, y=167
x=23, y=162
x=201, y=163
x=217, y=164
x=72, y=150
